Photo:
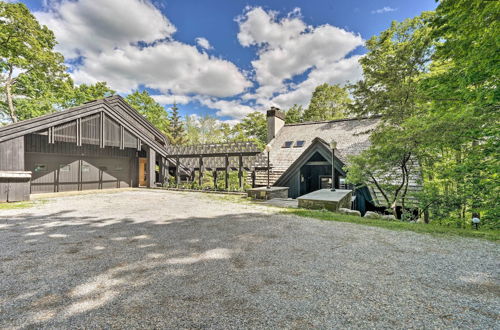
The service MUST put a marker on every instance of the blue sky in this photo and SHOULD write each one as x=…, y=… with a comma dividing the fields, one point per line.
x=220, y=57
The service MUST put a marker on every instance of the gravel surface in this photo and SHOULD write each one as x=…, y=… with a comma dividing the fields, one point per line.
x=144, y=259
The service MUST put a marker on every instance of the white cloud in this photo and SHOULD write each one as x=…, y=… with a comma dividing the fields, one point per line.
x=129, y=44
x=170, y=99
x=336, y=73
x=170, y=66
x=203, y=43
x=89, y=27
x=383, y=10
x=287, y=48
x=232, y=108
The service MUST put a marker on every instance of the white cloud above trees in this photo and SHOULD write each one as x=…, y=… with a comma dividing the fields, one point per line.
x=287, y=48
x=131, y=44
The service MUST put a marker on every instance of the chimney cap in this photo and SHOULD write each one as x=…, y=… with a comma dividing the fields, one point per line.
x=276, y=112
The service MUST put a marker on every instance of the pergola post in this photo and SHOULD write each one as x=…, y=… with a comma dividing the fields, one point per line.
x=166, y=174
x=151, y=168
x=240, y=172
x=177, y=172
x=215, y=179
x=200, y=177
x=226, y=182
x=254, y=175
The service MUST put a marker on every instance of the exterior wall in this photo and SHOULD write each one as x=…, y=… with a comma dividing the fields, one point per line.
x=12, y=159
x=12, y=155
x=66, y=167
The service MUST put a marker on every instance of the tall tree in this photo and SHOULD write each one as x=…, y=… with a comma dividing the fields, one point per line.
x=392, y=69
x=328, y=102
x=295, y=114
x=177, y=133
x=32, y=74
x=85, y=93
x=254, y=126
x=150, y=109
x=460, y=131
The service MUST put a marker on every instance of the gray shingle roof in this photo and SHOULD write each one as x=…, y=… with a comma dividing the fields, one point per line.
x=352, y=136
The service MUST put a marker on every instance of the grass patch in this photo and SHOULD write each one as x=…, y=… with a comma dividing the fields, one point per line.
x=20, y=205
x=434, y=229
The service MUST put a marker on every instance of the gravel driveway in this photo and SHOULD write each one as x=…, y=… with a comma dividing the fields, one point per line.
x=144, y=259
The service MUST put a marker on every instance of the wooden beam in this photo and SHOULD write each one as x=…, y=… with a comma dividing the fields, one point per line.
x=122, y=137
x=200, y=177
x=240, y=172
x=254, y=175
x=151, y=167
x=50, y=134
x=166, y=164
x=214, y=174
x=139, y=144
x=102, y=131
x=79, y=132
x=177, y=171
x=226, y=181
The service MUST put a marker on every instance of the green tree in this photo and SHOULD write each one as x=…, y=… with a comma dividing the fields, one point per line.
x=460, y=132
x=254, y=128
x=386, y=167
x=150, y=109
x=176, y=132
x=294, y=115
x=328, y=102
x=33, y=75
x=393, y=67
x=85, y=93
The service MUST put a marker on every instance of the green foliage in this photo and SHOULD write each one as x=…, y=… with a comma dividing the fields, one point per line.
x=387, y=167
x=176, y=131
x=85, y=93
x=294, y=115
x=433, y=79
x=206, y=129
x=254, y=128
x=392, y=68
x=27, y=48
x=434, y=228
x=328, y=102
x=150, y=109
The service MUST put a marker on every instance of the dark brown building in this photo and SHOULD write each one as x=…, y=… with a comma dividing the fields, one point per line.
x=101, y=144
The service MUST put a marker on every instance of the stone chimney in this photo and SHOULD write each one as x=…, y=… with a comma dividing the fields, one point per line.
x=275, y=121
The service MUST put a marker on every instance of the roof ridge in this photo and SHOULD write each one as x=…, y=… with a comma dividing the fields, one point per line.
x=334, y=121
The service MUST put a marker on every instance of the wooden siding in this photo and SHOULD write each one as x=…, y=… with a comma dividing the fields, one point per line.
x=55, y=173
x=64, y=166
x=12, y=159
x=12, y=155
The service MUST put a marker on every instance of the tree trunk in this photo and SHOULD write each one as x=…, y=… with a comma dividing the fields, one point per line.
x=8, y=94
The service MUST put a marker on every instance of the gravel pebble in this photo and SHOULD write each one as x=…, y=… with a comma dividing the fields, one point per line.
x=158, y=259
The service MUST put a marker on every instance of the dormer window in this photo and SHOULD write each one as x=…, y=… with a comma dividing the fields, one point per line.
x=299, y=144
x=287, y=144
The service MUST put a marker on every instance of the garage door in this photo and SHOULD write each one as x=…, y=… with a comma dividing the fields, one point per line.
x=55, y=173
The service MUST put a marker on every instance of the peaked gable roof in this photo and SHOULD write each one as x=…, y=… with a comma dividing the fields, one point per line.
x=351, y=135
x=316, y=145
x=115, y=107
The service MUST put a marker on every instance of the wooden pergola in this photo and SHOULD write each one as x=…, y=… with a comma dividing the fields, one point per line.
x=215, y=157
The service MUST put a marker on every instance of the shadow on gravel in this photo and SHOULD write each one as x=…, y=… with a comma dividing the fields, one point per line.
x=58, y=267
x=236, y=270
